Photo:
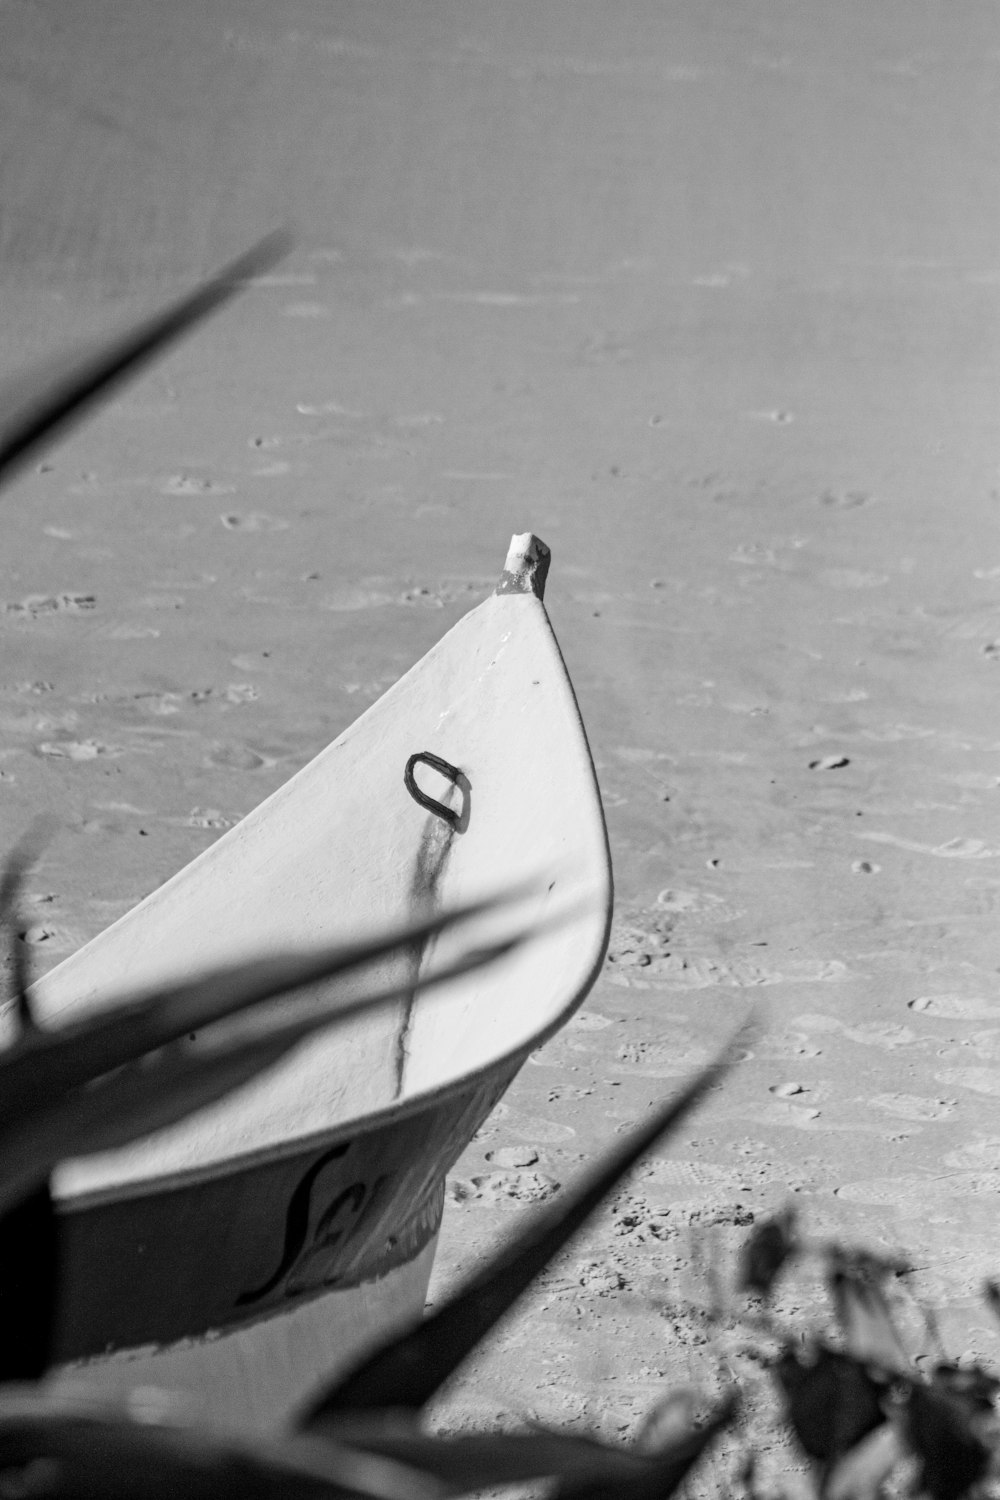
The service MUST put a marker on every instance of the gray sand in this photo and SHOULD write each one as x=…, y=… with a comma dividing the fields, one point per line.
x=704, y=294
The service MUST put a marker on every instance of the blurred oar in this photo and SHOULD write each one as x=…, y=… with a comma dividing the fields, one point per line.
x=94, y=377
x=407, y=1372
x=75, y=1452
x=863, y=1471
x=664, y=1473
x=21, y=857
x=46, y=1062
x=11, y=882
x=585, y=1468
x=473, y=1461
x=29, y=1236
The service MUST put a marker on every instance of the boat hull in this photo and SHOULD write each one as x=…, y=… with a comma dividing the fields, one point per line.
x=311, y=1198
x=248, y=1288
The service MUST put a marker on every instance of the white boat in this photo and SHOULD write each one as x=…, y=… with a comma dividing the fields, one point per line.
x=269, y=1240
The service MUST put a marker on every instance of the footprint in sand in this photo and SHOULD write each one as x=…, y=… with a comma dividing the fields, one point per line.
x=513, y=1156
x=756, y=555
x=125, y=632
x=252, y=520
x=448, y=591
x=696, y=907
x=234, y=692
x=684, y=1173
x=237, y=758
x=661, y=1059
x=586, y=1020
x=983, y=1045
x=188, y=484
x=979, y=1080
x=547, y=1132
x=852, y=578
x=422, y=597
x=36, y=723
x=784, y=1112
x=162, y=705
x=912, y=1106
x=976, y=1155
x=251, y=661
x=957, y=848
x=641, y=943
x=844, y=499
x=884, y=1034
x=327, y=409
x=672, y=972
x=502, y=1189
x=906, y=1191
x=78, y=750
x=50, y=604
x=786, y=1045
x=698, y=972
x=957, y=1007
x=912, y=1192
x=31, y=689
x=349, y=597
x=599, y=1279
x=207, y=817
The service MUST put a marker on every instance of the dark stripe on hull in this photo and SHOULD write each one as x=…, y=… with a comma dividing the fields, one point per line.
x=261, y=1238
x=256, y=1377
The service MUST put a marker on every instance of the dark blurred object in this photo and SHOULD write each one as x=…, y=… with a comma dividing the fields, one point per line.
x=93, y=378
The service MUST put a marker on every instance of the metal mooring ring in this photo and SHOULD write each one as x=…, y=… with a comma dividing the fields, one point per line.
x=452, y=773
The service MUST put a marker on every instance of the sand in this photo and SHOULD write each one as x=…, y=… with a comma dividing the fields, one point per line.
x=704, y=294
